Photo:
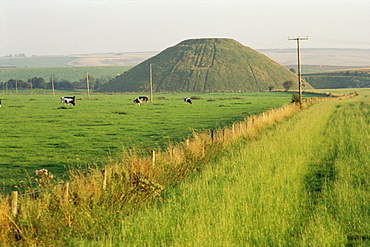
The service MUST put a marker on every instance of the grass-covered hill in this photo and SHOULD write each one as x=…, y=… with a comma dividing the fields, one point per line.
x=204, y=65
x=345, y=78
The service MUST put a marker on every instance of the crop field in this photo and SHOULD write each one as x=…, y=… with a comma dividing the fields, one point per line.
x=38, y=131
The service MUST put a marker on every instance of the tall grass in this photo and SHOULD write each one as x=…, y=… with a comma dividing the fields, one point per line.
x=303, y=182
x=257, y=194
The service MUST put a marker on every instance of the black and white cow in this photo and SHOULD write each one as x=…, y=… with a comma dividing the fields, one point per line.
x=0, y=102
x=143, y=98
x=69, y=100
x=136, y=101
x=187, y=100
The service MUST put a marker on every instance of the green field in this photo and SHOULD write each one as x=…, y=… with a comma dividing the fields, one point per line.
x=61, y=73
x=301, y=181
x=39, y=132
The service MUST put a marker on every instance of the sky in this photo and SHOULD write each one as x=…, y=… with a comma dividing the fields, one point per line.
x=61, y=27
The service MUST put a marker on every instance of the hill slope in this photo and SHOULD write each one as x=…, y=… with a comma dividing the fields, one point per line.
x=204, y=65
x=348, y=78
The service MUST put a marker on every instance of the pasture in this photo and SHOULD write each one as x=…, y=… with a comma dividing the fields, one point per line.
x=38, y=131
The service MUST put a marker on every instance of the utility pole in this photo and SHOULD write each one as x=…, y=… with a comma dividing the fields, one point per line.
x=151, y=82
x=87, y=85
x=299, y=67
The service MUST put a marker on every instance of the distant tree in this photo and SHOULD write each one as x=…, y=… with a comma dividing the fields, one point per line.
x=293, y=70
x=64, y=85
x=287, y=85
x=270, y=88
x=80, y=84
x=38, y=82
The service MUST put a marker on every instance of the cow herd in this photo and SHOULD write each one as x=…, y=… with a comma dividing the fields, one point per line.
x=141, y=99
x=67, y=100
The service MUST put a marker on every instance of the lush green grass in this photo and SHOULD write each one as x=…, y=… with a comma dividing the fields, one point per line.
x=61, y=73
x=39, y=132
x=303, y=182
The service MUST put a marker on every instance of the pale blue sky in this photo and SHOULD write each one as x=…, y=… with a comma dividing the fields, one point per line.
x=53, y=27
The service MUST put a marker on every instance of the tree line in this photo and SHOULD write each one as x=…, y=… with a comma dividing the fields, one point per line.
x=59, y=84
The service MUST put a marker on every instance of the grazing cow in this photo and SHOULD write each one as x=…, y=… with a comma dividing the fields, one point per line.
x=69, y=100
x=0, y=102
x=187, y=100
x=143, y=98
x=136, y=101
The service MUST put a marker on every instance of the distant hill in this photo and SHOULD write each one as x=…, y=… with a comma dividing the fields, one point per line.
x=344, y=78
x=204, y=65
x=321, y=56
x=103, y=59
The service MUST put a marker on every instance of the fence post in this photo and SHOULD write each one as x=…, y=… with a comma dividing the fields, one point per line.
x=212, y=136
x=14, y=203
x=153, y=158
x=104, y=174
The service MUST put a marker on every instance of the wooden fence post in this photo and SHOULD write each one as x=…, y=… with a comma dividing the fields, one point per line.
x=14, y=203
x=65, y=192
x=153, y=158
x=104, y=183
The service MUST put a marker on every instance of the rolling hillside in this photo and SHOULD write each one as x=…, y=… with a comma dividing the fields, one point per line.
x=345, y=78
x=204, y=65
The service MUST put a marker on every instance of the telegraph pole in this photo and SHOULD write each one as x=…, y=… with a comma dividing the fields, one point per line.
x=299, y=67
x=151, y=82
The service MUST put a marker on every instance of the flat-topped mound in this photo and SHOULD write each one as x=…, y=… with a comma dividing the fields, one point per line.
x=204, y=65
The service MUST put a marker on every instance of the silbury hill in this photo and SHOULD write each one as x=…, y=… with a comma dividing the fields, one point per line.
x=204, y=65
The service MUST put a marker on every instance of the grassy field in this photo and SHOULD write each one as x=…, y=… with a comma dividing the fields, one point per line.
x=288, y=185
x=39, y=132
x=61, y=73
x=303, y=182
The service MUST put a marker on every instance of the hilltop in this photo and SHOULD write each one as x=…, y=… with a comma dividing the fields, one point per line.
x=204, y=65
